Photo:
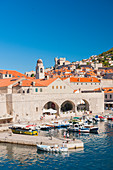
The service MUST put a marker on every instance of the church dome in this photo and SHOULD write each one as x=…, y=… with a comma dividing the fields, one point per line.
x=39, y=61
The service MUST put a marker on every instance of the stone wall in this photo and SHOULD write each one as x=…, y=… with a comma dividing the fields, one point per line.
x=3, y=110
x=29, y=107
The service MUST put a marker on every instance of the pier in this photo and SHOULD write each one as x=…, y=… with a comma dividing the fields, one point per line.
x=5, y=137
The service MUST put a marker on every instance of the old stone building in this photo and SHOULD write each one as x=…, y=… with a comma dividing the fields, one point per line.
x=23, y=99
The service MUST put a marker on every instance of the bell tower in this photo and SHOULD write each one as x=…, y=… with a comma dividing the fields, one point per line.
x=39, y=70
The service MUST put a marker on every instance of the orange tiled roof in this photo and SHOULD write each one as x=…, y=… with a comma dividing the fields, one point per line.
x=106, y=89
x=38, y=82
x=75, y=91
x=84, y=79
x=13, y=72
x=7, y=82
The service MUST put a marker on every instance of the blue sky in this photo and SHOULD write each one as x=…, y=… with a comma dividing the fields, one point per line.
x=33, y=29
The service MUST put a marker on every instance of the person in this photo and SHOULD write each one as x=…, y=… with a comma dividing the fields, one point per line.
x=64, y=134
x=50, y=134
x=73, y=138
x=67, y=135
x=63, y=145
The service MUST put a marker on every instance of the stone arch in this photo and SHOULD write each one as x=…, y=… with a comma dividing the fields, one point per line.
x=52, y=105
x=83, y=105
x=67, y=106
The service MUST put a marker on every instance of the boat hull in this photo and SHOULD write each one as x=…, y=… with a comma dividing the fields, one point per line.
x=25, y=132
x=46, y=148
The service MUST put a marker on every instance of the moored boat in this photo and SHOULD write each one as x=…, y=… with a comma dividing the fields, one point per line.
x=55, y=148
x=83, y=129
x=23, y=129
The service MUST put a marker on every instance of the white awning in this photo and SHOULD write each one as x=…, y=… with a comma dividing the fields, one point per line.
x=49, y=111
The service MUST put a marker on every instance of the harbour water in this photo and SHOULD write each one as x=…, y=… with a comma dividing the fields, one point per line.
x=96, y=155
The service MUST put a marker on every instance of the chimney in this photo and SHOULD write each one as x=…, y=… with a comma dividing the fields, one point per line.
x=20, y=83
x=33, y=83
x=78, y=79
x=47, y=77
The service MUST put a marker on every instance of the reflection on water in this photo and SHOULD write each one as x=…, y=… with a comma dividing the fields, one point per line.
x=97, y=153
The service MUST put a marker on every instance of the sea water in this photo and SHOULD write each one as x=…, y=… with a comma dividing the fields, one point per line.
x=96, y=155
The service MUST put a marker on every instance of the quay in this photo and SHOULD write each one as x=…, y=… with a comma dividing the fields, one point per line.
x=29, y=140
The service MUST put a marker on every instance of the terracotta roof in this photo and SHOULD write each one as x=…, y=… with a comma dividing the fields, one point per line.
x=13, y=72
x=106, y=89
x=98, y=89
x=38, y=82
x=75, y=91
x=46, y=82
x=28, y=83
x=84, y=79
x=7, y=82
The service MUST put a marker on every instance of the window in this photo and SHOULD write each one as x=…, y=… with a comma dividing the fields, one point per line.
x=86, y=83
x=110, y=96
x=5, y=75
x=60, y=87
x=9, y=75
x=40, y=89
x=81, y=83
x=36, y=90
x=52, y=87
x=95, y=83
x=41, y=70
x=91, y=83
x=56, y=87
x=36, y=109
x=27, y=90
x=77, y=83
x=106, y=96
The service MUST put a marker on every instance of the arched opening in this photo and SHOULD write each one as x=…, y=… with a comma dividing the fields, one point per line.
x=83, y=105
x=67, y=106
x=51, y=108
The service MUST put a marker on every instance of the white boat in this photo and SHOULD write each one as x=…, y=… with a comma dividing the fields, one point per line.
x=83, y=128
x=55, y=148
x=44, y=127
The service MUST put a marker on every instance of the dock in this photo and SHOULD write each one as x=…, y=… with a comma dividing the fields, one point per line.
x=30, y=140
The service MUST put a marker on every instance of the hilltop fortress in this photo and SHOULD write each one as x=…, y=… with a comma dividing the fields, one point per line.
x=24, y=98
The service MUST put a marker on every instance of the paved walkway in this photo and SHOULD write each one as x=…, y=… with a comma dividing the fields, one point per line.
x=5, y=137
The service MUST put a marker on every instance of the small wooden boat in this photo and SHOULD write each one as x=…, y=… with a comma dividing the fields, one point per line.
x=56, y=148
x=25, y=130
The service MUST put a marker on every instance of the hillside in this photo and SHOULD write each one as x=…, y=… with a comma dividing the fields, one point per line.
x=109, y=52
x=106, y=58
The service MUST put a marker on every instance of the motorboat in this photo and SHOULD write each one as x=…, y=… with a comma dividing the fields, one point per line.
x=96, y=119
x=55, y=148
x=24, y=129
x=110, y=117
x=60, y=124
x=102, y=118
x=83, y=129
x=44, y=127
x=89, y=120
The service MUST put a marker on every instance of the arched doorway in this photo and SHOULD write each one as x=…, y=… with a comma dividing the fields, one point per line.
x=83, y=105
x=67, y=106
x=51, y=108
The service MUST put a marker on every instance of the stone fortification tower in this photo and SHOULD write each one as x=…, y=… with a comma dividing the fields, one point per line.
x=39, y=70
x=60, y=61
